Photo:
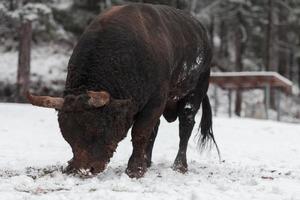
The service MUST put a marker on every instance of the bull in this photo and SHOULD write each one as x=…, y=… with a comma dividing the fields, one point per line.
x=132, y=64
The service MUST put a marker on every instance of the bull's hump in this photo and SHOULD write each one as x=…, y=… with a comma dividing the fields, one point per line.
x=110, y=13
x=143, y=20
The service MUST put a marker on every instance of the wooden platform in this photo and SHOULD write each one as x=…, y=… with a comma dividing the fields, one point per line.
x=252, y=80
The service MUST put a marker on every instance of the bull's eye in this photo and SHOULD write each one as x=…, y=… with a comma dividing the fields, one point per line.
x=69, y=100
x=82, y=98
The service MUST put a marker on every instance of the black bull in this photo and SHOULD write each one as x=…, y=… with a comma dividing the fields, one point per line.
x=133, y=64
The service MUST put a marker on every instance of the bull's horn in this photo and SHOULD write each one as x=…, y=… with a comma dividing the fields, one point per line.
x=98, y=99
x=45, y=101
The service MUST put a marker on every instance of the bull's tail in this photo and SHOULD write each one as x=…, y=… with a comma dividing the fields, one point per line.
x=207, y=137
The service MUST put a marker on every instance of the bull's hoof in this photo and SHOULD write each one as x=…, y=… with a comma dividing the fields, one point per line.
x=179, y=166
x=136, y=173
x=149, y=163
x=136, y=167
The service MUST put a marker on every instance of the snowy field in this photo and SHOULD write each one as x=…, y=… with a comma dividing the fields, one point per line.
x=261, y=161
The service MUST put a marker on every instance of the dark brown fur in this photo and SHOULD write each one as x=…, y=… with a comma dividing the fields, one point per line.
x=156, y=59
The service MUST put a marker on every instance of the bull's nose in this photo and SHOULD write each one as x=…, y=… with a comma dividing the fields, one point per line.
x=85, y=169
x=93, y=169
x=83, y=172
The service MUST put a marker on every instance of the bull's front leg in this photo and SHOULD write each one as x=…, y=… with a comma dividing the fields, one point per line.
x=141, y=132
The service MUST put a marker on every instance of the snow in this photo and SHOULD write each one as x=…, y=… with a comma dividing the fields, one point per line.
x=48, y=63
x=261, y=162
x=30, y=11
x=62, y=4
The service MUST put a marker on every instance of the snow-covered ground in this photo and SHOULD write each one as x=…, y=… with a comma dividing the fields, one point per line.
x=261, y=161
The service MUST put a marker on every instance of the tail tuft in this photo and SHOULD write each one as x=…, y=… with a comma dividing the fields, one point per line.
x=206, y=133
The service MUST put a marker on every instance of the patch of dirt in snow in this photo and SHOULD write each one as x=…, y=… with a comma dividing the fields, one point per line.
x=161, y=182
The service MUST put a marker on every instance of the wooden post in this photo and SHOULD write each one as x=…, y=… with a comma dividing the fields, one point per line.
x=23, y=74
x=238, y=102
x=230, y=102
x=278, y=98
x=267, y=99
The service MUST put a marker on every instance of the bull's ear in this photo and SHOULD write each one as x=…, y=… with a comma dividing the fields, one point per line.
x=98, y=99
x=45, y=101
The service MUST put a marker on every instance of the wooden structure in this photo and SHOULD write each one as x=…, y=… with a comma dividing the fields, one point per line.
x=252, y=80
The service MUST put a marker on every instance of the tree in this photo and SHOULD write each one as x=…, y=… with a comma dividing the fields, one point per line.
x=240, y=40
x=269, y=37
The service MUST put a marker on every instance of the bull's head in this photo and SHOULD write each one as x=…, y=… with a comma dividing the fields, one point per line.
x=92, y=123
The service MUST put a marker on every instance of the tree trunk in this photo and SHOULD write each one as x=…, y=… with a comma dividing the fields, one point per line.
x=11, y=5
x=182, y=4
x=298, y=62
x=239, y=50
x=238, y=67
x=269, y=37
x=283, y=50
x=193, y=6
x=23, y=75
x=271, y=61
x=223, y=55
x=19, y=4
x=292, y=74
x=212, y=32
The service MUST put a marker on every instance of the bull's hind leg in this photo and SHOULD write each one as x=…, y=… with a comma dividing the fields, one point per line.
x=188, y=108
x=151, y=143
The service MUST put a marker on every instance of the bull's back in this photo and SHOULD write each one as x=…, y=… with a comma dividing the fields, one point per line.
x=166, y=45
